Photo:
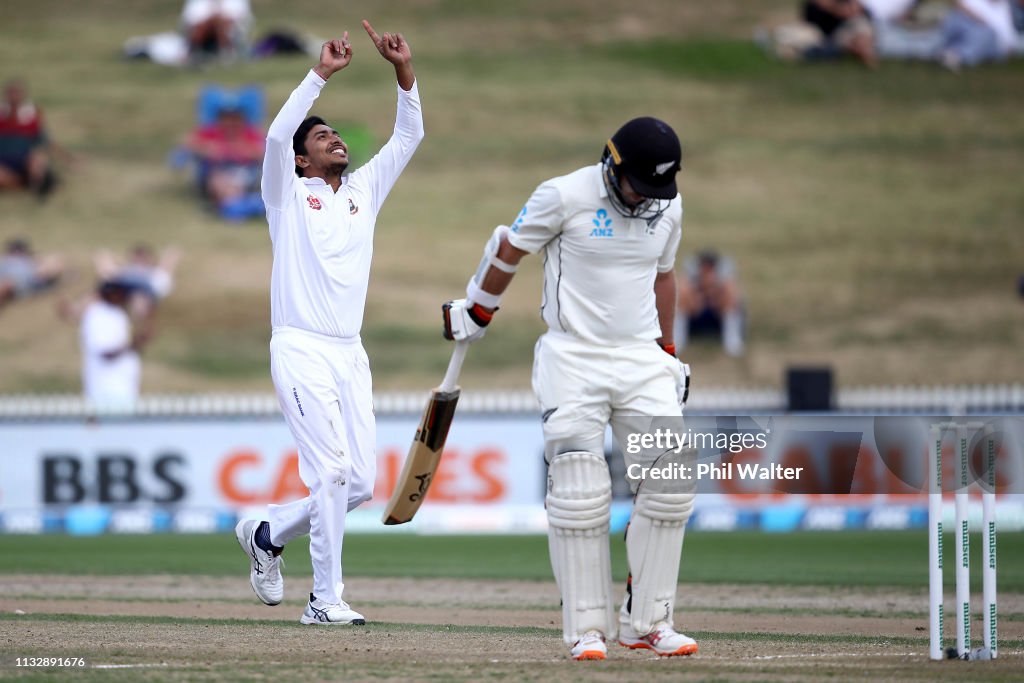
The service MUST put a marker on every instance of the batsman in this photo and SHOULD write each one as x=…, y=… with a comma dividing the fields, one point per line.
x=609, y=233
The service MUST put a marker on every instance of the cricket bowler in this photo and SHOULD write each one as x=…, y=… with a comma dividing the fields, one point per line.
x=321, y=227
x=609, y=234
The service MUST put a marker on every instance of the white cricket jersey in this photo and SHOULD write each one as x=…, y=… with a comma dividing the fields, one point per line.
x=323, y=240
x=599, y=266
x=106, y=328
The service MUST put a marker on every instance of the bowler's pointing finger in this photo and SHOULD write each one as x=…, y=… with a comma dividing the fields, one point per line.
x=370, y=32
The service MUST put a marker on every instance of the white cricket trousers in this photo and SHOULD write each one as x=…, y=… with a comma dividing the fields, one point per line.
x=583, y=387
x=323, y=387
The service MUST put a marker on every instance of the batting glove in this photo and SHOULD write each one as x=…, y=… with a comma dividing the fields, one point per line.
x=464, y=321
x=683, y=383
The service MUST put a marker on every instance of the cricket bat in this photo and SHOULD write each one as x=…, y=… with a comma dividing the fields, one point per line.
x=427, y=445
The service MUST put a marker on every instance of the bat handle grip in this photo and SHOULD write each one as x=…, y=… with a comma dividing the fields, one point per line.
x=451, y=377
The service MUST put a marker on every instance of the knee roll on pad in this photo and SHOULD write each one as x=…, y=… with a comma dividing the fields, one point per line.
x=578, y=505
x=654, y=544
x=664, y=507
x=555, y=446
x=579, y=491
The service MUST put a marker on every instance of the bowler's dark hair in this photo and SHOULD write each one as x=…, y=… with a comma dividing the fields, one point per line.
x=299, y=139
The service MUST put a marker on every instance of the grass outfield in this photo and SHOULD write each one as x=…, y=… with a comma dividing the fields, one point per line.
x=809, y=558
x=763, y=607
x=874, y=216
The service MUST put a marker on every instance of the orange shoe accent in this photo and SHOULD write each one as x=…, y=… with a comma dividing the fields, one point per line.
x=589, y=654
x=684, y=651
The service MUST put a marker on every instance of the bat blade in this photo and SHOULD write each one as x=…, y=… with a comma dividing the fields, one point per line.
x=424, y=457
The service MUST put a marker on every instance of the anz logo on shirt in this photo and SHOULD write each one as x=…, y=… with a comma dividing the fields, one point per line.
x=519, y=221
x=602, y=225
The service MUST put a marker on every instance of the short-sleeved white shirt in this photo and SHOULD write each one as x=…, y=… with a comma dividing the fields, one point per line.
x=115, y=381
x=599, y=267
x=322, y=240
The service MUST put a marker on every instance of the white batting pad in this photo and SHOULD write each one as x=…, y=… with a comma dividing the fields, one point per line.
x=579, y=506
x=654, y=543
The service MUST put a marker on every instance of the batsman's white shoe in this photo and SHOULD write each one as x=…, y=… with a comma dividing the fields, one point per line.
x=264, y=566
x=664, y=640
x=320, y=612
x=590, y=646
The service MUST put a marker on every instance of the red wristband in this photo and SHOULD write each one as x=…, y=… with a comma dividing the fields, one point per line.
x=670, y=349
x=482, y=313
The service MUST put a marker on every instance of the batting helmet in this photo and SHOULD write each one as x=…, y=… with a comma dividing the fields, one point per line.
x=646, y=151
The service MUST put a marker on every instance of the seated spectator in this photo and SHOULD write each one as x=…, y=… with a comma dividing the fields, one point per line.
x=24, y=147
x=111, y=367
x=229, y=152
x=846, y=27
x=710, y=302
x=216, y=28
x=285, y=42
x=977, y=31
x=148, y=276
x=22, y=273
x=902, y=29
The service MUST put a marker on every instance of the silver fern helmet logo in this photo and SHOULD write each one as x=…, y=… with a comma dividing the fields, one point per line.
x=661, y=169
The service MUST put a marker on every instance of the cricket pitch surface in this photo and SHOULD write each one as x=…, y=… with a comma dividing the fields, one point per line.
x=176, y=628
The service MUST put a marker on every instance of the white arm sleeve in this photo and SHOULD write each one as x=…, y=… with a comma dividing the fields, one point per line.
x=279, y=158
x=382, y=171
x=540, y=220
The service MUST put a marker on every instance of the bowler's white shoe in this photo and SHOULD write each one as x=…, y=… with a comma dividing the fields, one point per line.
x=264, y=566
x=663, y=640
x=320, y=612
x=590, y=646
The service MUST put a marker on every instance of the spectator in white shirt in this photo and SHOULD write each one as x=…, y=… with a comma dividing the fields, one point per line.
x=111, y=366
x=215, y=27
